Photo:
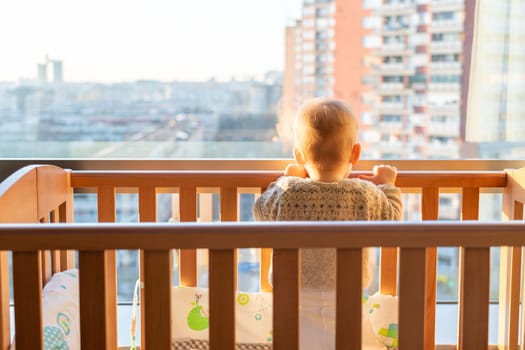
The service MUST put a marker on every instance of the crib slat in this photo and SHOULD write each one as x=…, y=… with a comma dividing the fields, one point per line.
x=98, y=327
x=286, y=299
x=147, y=213
x=188, y=257
x=388, y=273
x=55, y=254
x=157, y=284
x=67, y=260
x=230, y=212
x=108, y=270
x=147, y=204
x=429, y=211
x=470, y=204
x=229, y=207
x=474, y=298
x=221, y=298
x=510, y=274
x=106, y=203
x=412, y=299
x=46, y=258
x=65, y=214
x=509, y=297
x=27, y=285
x=349, y=298
x=46, y=266
x=469, y=211
x=5, y=335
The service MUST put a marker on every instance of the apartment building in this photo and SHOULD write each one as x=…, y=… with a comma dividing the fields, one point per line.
x=399, y=63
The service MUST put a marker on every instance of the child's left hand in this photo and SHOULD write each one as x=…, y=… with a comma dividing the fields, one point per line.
x=382, y=175
x=298, y=170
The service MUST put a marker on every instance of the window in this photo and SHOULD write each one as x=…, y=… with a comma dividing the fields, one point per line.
x=390, y=118
x=445, y=78
x=392, y=79
x=445, y=58
x=392, y=99
x=393, y=59
x=443, y=16
x=162, y=84
x=445, y=37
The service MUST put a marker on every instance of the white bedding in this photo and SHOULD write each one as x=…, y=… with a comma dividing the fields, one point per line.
x=190, y=318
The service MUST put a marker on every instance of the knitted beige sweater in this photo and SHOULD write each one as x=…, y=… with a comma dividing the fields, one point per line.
x=292, y=198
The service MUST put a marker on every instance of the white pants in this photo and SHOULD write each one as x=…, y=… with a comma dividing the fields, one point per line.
x=317, y=323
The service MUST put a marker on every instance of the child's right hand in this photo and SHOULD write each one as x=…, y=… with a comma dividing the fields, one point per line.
x=382, y=175
x=298, y=170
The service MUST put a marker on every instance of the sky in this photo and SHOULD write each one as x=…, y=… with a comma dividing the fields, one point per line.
x=127, y=40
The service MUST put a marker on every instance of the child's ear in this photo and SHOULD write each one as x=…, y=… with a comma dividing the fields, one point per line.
x=299, y=159
x=356, y=154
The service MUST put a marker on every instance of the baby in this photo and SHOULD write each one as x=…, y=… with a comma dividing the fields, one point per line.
x=317, y=187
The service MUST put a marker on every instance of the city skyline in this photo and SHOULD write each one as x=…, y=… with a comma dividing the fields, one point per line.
x=151, y=40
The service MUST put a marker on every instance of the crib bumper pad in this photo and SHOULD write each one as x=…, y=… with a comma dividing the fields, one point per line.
x=190, y=321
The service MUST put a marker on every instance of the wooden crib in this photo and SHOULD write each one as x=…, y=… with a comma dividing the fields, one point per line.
x=41, y=194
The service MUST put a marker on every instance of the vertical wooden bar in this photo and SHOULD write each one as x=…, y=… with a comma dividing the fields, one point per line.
x=147, y=213
x=510, y=273
x=65, y=214
x=429, y=211
x=349, y=298
x=470, y=204
x=473, y=330
x=55, y=254
x=46, y=258
x=230, y=212
x=388, y=271
x=286, y=299
x=157, y=283
x=222, y=299
x=27, y=285
x=5, y=324
x=188, y=257
x=518, y=211
x=266, y=258
x=469, y=211
x=107, y=268
x=509, y=297
x=98, y=328
x=106, y=203
x=412, y=307
x=46, y=266
x=147, y=204
x=229, y=204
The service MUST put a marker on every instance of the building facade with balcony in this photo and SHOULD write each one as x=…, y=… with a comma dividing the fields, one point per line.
x=399, y=63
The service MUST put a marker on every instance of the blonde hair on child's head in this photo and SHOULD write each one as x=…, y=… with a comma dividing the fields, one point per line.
x=325, y=130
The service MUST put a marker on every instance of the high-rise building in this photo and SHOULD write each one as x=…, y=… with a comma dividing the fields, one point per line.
x=57, y=72
x=58, y=76
x=42, y=72
x=399, y=64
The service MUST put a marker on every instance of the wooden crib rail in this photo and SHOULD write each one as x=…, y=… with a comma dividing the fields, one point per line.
x=412, y=239
x=147, y=183
x=428, y=183
x=229, y=183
